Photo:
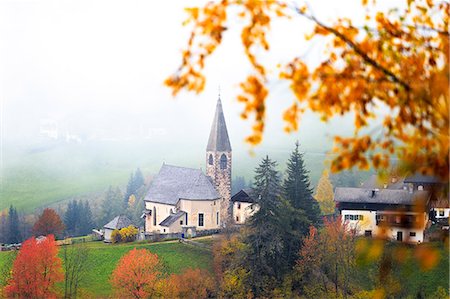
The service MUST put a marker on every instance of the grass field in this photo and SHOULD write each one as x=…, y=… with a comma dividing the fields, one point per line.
x=176, y=257
x=103, y=259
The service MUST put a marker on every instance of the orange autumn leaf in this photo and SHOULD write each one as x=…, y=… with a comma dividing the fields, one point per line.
x=398, y=58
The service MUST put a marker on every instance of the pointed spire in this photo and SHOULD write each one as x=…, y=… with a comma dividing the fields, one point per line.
x=218, y=137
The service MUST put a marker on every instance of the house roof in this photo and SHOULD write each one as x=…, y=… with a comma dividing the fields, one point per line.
x=374, y=182
x=172, y=218
x=173, y=183
x=218, y=137
x=381, y=196
x=119, y=222
x=244, y=195
x=424, y=179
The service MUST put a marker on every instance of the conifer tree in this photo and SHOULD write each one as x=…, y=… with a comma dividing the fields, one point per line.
x=71, y=218
x=264, y=239
x=324, y=194
x=296, y=187
x=86, y=223
x=13, y=231
x=129, y=190
x=138, y=180
x=112, y=205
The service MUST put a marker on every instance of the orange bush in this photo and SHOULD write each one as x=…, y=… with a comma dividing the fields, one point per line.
x=136, y=274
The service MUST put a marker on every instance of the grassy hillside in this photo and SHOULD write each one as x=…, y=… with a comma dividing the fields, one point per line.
x=47, y=174
x=103, y=259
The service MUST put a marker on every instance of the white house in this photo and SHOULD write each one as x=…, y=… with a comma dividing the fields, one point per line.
x=387, y=213
x=244, y=205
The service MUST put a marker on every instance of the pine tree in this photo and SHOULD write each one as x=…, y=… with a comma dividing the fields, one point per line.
x=86, y=223
x=138, y=180
x=324, y=194
x=112, y=205
x=135, y=182
x=130, y=189
x=71, y=218
x=265, y=260
x=13, y=231
x=296, y=187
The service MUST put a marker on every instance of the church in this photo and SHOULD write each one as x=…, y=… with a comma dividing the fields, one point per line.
x=181, y=198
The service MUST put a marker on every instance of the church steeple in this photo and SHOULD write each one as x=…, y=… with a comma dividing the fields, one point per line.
x=218, y=137
x=218, y=161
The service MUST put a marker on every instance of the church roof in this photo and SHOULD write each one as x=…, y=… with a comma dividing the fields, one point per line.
x=173, y=183
x=218, y=137
x=172, y=218
x=119, y=222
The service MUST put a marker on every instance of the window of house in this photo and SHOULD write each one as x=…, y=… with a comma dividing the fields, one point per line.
x=181, y=222
x=368, y=233
x=186, y=218
x=154, y=215
x=441, y=213
x=353, y=217
x=164, y=230
x=412, y=234
x=210, y=160
x=223, y=162
x=200, y=219
x=381, y=217
x=217, y=218
x=237, y=218
x=239, y=206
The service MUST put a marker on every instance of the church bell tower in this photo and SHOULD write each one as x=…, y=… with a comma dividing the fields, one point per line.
x=218, y=162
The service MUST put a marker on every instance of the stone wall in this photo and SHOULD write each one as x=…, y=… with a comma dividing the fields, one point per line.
x=222, y=181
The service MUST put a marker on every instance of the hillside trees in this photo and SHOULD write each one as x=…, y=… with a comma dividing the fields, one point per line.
x=135, y=182
x=112, y=205
x=327, y=261
x=229, y=253
x=136, y=274
x=48, y=223
x=324, y=194
x=395, y=58
x=36, y=270
x=13, y=234
x=78, y=218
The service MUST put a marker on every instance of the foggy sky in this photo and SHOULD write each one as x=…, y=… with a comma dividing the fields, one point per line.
x=99, y=65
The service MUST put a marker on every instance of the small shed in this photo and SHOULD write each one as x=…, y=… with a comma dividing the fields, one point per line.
x=118, y=222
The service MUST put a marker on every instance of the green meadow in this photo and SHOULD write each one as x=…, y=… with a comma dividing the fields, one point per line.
x=103, y=259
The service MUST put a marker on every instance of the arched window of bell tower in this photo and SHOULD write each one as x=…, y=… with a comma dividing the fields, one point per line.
x=223, y=161
x=210, y=159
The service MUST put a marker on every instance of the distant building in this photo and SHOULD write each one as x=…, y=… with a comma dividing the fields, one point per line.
x=118, y=222
x=181, y=198
x=244, y=205
x=48, y=128
x=396, y=214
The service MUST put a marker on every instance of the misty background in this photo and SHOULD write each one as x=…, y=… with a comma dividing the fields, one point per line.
x=83, y=102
